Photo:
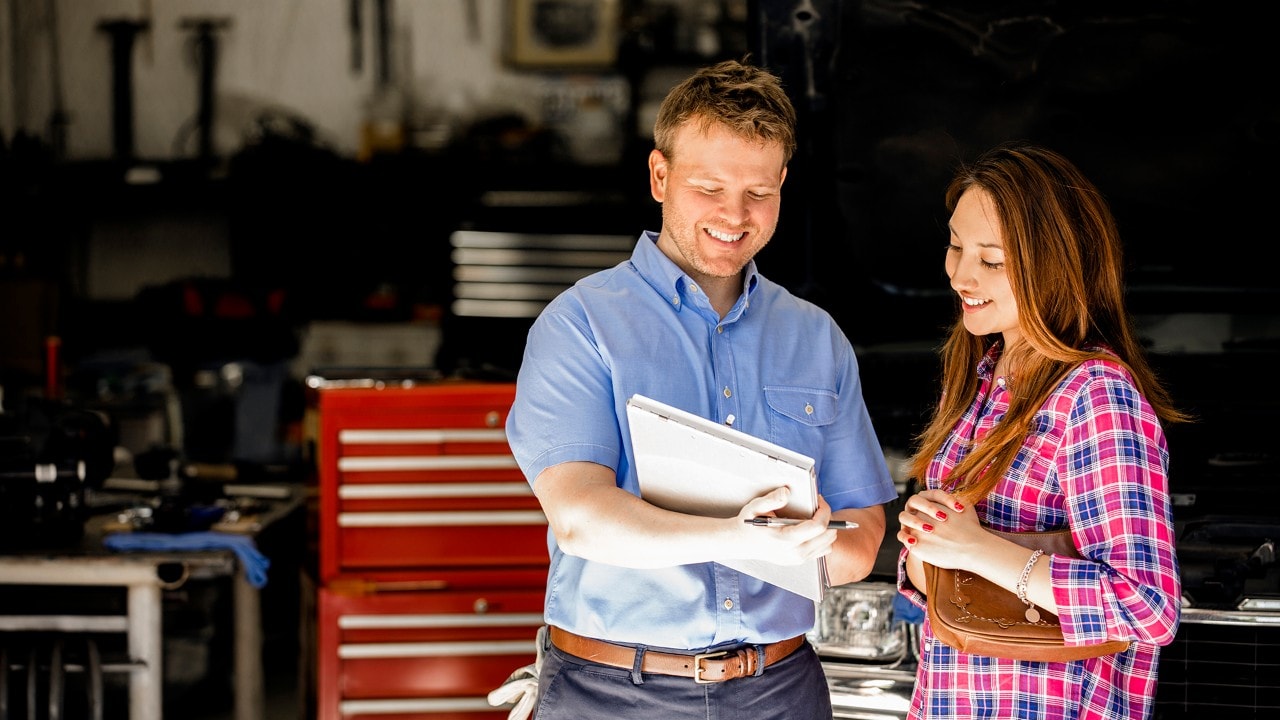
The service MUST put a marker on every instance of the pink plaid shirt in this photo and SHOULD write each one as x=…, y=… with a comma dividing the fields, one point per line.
x=1096, y=461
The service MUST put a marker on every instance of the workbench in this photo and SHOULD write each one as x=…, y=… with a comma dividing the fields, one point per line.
x=144, y=575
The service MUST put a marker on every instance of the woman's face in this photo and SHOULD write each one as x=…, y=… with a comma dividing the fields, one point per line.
x=976, y=266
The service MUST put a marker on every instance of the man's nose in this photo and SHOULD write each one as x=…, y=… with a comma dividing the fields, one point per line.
x=734, y=208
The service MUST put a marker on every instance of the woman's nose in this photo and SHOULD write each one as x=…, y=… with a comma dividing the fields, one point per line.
x=961, y=274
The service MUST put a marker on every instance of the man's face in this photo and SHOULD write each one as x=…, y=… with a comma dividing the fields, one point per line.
x=720, y=196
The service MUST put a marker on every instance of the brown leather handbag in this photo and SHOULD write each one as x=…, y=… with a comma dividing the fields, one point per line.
x=972, y=614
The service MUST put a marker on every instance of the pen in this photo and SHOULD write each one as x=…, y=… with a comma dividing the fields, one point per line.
x=776, y=521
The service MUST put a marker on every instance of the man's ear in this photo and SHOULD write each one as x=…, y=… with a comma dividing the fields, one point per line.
x=657, y=174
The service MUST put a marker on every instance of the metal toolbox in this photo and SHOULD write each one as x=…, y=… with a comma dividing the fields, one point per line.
x=430, y=548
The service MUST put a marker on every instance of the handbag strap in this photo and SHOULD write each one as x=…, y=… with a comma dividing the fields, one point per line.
x=1052, y=542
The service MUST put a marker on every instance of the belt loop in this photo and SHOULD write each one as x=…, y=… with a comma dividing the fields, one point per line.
x=636, y=677
x=759, y=660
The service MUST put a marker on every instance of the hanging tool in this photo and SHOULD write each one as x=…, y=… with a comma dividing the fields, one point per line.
x=123, y=33
x=206, y=43
x=356, y=26
x=58, y=120
x=383, y=11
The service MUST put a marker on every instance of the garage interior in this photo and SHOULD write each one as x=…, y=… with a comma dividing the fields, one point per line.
x=249, y=251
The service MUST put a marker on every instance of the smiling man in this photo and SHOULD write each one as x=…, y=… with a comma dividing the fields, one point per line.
x=643, y=622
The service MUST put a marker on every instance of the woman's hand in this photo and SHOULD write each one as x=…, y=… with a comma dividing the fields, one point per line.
x=935, y=528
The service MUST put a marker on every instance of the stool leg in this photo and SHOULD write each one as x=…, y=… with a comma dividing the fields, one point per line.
x=33, y=667
x=4, y=682
x=93, y=678
x=57, y=680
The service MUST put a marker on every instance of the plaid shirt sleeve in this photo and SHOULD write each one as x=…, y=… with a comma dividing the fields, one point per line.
x=1112, y=467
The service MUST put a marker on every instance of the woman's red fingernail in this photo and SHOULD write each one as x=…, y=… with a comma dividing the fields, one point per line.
x=941, y=515
x=959, y=506
x=911, y=540
x=926, y=527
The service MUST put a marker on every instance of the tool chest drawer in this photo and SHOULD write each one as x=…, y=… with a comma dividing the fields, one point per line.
x=433, y=654
x=420, y=477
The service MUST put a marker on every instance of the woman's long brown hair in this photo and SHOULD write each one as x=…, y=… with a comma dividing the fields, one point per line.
x=1064, y=260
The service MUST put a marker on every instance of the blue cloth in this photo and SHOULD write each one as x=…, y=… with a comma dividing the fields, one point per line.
x=253, y=562
x=778, y=364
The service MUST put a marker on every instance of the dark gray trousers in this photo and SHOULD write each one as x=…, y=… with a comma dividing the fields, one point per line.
x=570, y=688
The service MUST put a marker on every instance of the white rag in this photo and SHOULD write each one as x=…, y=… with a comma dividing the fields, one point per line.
x=521, y=687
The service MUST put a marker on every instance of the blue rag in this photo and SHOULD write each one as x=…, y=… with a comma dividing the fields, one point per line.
x=255, y=564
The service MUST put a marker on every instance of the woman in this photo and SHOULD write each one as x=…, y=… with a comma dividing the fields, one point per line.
x=1049, y=417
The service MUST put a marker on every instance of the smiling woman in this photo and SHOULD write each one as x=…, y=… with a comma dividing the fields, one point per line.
x=1137, y=96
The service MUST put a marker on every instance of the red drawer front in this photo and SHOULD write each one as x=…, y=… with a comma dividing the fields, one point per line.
x=420, y=478
x=423, y=654
x=475, y=543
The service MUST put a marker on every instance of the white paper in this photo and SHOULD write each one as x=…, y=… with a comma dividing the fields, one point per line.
x=689, y=464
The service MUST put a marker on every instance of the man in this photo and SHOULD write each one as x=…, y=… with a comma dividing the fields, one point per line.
x=635, y=596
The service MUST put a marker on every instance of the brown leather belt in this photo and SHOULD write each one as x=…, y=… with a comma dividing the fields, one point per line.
x=710, y=667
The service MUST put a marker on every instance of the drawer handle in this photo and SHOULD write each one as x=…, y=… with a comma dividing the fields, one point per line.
x=396, y=491
x=414, y=705
x=431, y=462
x=441, y=519
x=418, y=437
x=439, y=649
x=407, y=622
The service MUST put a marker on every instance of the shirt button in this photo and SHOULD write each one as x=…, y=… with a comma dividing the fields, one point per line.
x=728, y=604
x=719, y=329
x=1000, y=381
x=808, y=409
x=693, y=288
x=727, y=391
x=675, y=299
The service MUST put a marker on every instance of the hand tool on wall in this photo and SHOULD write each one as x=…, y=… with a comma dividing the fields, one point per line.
x=122, y=32
x=356, y=25
x=206, y=44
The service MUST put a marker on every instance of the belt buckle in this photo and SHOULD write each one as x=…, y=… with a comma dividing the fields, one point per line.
x=697, y=666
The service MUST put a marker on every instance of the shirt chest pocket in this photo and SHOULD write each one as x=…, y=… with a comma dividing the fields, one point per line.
x=799, y=417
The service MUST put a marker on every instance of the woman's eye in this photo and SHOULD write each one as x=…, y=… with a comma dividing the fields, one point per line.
x=992, y=266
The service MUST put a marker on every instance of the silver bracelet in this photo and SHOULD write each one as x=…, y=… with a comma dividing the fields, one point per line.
x=1032, y=614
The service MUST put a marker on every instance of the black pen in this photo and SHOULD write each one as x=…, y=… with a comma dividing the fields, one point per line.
x=776, y=521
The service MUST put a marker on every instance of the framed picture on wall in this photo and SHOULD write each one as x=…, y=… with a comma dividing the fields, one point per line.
x=563, y=34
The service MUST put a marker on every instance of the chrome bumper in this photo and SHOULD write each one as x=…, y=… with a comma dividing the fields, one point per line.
x=869, y=692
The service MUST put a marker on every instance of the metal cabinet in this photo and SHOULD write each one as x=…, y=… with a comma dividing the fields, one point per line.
x=430, y=549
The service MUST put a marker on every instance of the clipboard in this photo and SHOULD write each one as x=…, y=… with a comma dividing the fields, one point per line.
x=689, y=464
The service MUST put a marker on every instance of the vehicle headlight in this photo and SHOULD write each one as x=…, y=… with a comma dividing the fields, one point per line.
x=857, y=620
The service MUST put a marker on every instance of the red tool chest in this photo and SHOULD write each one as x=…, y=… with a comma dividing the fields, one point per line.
x=431, y=554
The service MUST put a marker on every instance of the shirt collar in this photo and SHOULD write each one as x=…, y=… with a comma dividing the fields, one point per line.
x=670, y=281
x=987, y=365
